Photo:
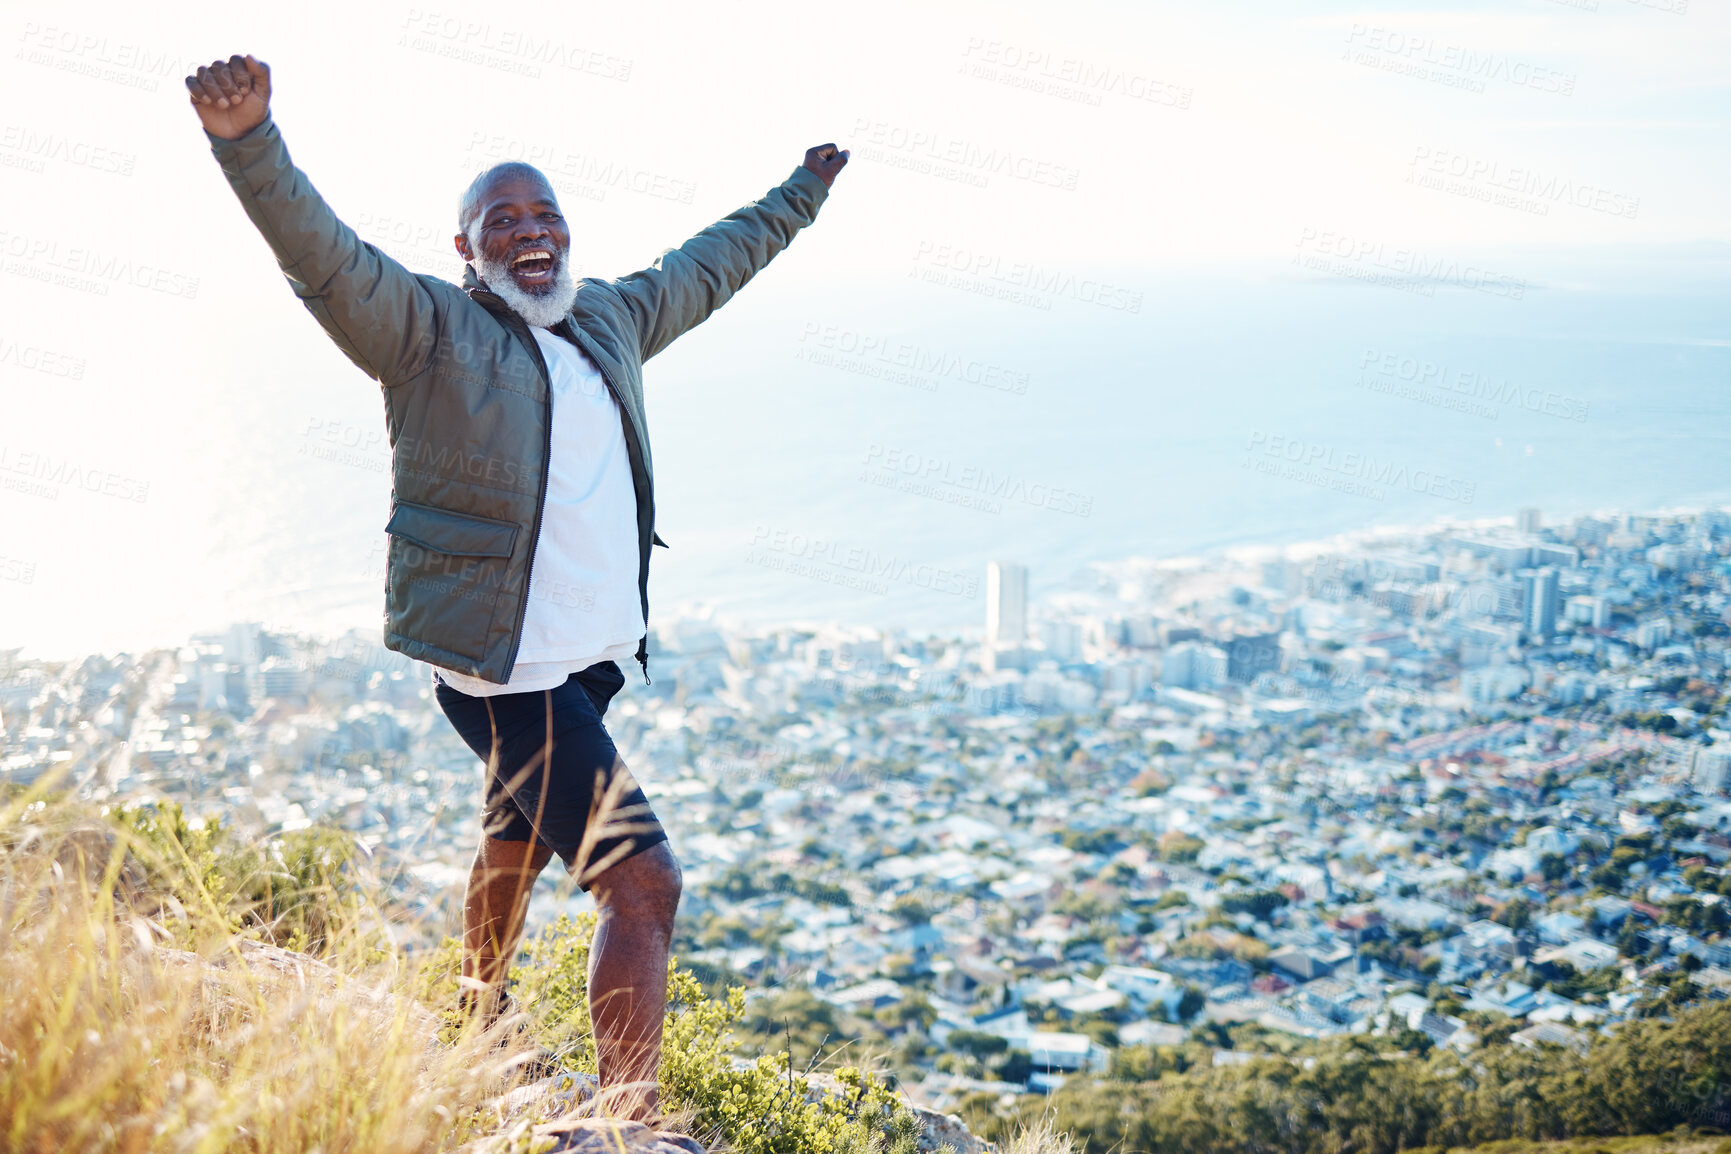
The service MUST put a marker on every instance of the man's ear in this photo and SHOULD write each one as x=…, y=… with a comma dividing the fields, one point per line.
x=463, y=249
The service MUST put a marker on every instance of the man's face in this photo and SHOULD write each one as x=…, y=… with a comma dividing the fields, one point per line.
x=519, y=229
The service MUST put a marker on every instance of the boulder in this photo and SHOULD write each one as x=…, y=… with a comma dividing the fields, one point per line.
x=936, y=1130
x=596, y=1136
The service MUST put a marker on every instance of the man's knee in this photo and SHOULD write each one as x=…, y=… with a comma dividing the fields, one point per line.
x=647, y=883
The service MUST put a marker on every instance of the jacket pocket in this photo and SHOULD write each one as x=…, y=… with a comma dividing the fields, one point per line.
x=447, y=571
x=443, y=531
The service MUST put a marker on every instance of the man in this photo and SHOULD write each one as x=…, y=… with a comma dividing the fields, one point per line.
x=522, y=517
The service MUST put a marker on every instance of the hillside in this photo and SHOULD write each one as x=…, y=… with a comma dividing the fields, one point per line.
x=174, y=988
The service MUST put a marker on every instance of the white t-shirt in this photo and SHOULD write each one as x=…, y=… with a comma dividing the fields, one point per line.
x=584, y=605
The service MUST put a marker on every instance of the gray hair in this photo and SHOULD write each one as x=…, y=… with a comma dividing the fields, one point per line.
x=469, y=206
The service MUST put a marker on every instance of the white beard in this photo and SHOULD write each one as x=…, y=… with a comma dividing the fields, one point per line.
x=544, y=309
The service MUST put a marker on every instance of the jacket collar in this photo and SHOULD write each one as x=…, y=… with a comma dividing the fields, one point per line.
x=473, y=284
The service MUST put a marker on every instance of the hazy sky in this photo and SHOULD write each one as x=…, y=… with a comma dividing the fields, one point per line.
x=149, y=340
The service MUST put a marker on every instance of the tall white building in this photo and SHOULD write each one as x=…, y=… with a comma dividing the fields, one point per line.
x=1539, y=587
x=1193, y=665
x=1063, y=640
x=1652, y=633
x=1527, y=521
x=1006, y=604
x=1711, y=768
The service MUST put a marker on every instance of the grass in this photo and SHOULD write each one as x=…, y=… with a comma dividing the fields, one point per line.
x=171, y=986
x=133, y=1022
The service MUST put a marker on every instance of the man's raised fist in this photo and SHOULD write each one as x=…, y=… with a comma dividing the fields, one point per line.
x=232, y=97
x=826, y=161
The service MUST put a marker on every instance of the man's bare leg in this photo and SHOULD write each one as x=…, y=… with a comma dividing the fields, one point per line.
x=636, y=900
x=494, y=907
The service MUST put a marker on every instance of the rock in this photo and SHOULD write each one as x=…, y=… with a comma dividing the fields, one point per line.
x=936, y=1129
x=940, y=1129
x=683, y=1141
x=606, y=1136
x=592, y=1135
x=570, y=1093
x=550, y=1097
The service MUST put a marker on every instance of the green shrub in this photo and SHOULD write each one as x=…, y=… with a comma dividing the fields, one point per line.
x=760, y=1108
x=305, y=890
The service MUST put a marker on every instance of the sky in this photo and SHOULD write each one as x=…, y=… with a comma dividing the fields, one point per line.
x=1251, y=206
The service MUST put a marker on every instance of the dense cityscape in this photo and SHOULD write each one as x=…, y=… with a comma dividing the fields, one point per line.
x=1441, y=786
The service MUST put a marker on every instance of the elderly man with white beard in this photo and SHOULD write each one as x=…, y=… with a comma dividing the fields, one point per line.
x=522, y=520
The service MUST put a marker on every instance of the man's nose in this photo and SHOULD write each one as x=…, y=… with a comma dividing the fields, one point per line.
x=531, y=230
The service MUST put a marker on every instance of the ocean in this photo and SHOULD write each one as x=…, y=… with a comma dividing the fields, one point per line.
x=858, y=453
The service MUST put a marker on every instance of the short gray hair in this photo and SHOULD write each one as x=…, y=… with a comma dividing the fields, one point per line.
x=469, y=206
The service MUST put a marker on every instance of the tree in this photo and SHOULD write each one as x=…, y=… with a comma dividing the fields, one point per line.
x=1178, y=846
x=1516, y=913
x=1258, y=903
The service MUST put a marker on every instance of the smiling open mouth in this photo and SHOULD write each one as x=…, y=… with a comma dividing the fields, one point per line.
x=533, y=266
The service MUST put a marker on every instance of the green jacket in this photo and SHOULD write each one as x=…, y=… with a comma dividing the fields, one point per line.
x=466, y=398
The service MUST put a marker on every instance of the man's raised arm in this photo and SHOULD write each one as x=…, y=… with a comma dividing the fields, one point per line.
x=686, y=284
x=372, y=307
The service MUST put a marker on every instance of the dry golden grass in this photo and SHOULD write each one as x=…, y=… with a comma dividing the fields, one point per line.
x=147, y=1008
x=112, y=1037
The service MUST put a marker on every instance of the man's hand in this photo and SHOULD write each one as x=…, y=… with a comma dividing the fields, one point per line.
x=826, y=160
x=231, y=97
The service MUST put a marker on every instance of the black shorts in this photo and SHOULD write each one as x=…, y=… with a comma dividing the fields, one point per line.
x=578, y=800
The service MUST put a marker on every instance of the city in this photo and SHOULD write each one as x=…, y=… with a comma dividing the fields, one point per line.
x=1443, y=786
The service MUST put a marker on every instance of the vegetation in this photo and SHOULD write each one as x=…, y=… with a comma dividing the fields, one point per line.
x=1360, y=1095
x=150, y=1007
